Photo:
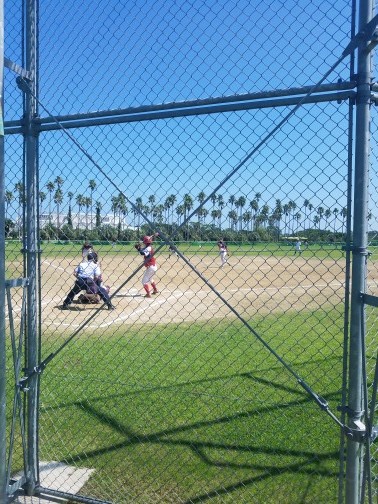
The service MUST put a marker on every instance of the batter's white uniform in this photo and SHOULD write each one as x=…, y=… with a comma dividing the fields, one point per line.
x=150, y=264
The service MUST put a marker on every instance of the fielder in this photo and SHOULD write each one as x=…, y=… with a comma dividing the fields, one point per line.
x=223, y=251
x=87, y=275
x=149, y=262
x=297, y=248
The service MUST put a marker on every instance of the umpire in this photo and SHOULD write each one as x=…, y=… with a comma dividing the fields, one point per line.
x=86, y=275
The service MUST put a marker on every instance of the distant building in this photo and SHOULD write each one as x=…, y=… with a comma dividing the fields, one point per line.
x=82, y=220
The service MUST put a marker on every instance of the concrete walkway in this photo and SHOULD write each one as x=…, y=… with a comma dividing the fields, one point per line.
x=57, y=476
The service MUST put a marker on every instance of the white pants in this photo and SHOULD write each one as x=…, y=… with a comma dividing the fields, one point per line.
x=149, y=274
x=223, y=256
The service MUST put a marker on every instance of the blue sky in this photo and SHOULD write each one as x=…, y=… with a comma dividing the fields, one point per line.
x=117, y=54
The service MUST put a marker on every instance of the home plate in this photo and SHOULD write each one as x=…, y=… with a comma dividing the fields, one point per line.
x=59, y=477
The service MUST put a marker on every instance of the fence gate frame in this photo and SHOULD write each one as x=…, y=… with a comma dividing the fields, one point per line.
x=357, y=434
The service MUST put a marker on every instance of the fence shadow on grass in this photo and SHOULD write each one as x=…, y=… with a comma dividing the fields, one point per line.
x=310, y=460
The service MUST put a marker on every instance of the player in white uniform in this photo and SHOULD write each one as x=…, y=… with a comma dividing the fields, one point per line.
x=223, y=252
x=150, y=264
x=298, y=247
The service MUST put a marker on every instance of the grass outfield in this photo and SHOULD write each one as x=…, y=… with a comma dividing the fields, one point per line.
x=197, y=412
x=280, y=249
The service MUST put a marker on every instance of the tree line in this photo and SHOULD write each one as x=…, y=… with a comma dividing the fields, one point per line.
x=234, y=217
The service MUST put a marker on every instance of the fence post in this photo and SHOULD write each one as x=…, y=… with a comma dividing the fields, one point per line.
x=3, y=465
x=32, y=244
x=359, y=250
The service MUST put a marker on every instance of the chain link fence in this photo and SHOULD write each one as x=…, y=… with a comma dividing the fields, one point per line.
x=196, y=124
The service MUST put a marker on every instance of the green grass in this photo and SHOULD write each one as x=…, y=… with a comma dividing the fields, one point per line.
x=280, y=249
x=197, y=412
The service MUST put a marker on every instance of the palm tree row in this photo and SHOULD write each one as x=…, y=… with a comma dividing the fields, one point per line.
x=241, y=214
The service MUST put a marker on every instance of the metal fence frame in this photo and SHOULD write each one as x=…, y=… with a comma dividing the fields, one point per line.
x=359, y=90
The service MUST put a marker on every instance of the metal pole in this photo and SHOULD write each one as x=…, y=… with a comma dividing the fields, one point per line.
x=31, y=241
x=3, y=465
x=359, y=249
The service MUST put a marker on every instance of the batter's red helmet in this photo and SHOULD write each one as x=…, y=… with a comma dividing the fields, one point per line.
x=147, y=240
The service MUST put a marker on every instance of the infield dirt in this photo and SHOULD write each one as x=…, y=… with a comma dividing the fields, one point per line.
x=198, y=289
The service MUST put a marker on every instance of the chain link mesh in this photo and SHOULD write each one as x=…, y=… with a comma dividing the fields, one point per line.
x=192, y=394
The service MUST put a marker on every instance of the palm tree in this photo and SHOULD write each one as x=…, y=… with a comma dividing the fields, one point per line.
x=297, y=217
x=233, y=217
x=320, y=212
x=188, y=205
x=213, y=199
x=286, y=210
x=240, y=204
x=254, y=204
x=305, y=204
x=80, y=201
x=264, y=215
x=137, y=209
x=87, y=204
x=171, y=200
x=158, y=213
x=167, y=206
x=98, y=213
x=201, y=197
x=292, y=208
x=59, y=182
x=327, y=215
x=122, y=208
x=92, y=186
x=201, y=214
x=214, y=215
x=335, y=213
x=58, y=195
x=50, y=189
x=58, y=198
x=180, y=212
x=278, y=214
x=220, y=200
x=69, y=216
x=231, y=200
x=310, y=209
x=9, y=197
x=247, y=217
x=276, y=217
x=221, y=205
x=114, y=207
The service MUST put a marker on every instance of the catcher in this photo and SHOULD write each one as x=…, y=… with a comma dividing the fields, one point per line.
x=90, y=297
x=147, y=252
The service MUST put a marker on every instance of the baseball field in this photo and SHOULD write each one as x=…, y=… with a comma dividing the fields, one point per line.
x=174, y=398
x=196, y=287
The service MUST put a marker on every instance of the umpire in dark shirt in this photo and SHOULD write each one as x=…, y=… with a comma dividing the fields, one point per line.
x=86, y=275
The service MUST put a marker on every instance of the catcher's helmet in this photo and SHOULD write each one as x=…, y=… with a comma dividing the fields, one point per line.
x=147, y=240
x=90, y=256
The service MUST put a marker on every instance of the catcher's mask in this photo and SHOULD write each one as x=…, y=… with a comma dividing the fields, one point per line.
x=147, y=240
x=90, y=257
